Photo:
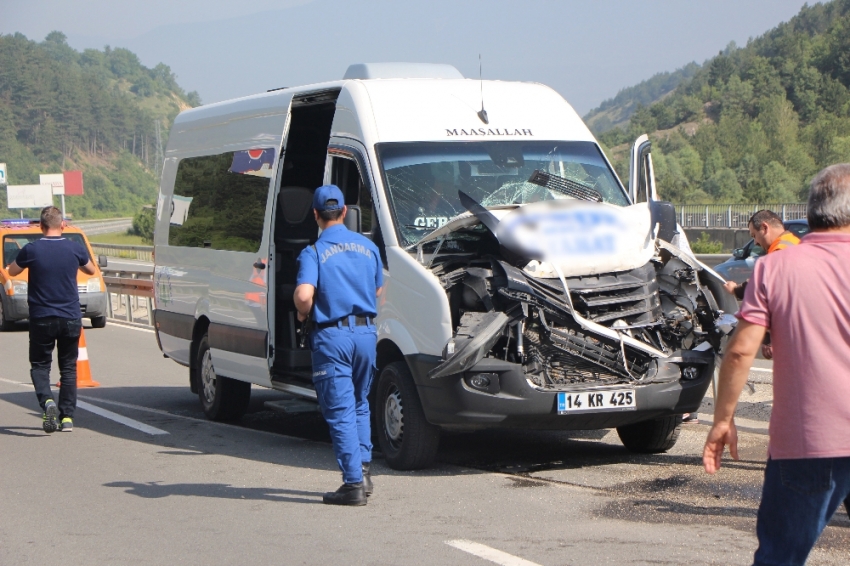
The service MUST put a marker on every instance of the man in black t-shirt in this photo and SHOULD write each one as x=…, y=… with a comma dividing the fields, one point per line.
x=54, y=309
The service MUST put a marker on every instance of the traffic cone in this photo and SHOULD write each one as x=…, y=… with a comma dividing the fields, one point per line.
x=83, y=369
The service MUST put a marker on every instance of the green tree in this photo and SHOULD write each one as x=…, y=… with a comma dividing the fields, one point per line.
x=724, y=187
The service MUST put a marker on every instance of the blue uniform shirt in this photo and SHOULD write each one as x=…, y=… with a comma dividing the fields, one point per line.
x=345, y=268
x=52, y=280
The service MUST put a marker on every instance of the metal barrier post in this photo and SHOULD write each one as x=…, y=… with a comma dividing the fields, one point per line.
x=706, y=217
x=109, y=312
x=729, y=217
x=129, y=308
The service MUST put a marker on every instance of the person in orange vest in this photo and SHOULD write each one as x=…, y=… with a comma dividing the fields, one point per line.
x=768, y=230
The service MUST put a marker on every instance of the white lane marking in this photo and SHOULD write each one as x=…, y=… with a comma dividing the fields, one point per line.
x=766, y=370
x=147, y=429
x=117, y=324
x=185, y=418
x=16, y=382
x=491, y=554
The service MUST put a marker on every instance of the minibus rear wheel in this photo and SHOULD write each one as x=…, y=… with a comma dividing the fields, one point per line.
x=222, y=398
x=407, y=439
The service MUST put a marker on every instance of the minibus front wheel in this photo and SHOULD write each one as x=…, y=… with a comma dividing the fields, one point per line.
x=223, y=398
x=407, y=439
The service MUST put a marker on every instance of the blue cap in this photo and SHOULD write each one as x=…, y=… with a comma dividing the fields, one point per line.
x=328, y=197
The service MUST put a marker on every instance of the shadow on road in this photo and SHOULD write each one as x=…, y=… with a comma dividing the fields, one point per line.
x=156, y=490
x=13, y=431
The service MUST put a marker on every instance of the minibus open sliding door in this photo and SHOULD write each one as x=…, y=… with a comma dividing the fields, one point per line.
x=294, y=228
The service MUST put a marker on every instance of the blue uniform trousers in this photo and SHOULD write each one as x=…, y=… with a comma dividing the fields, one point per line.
x=343, y=368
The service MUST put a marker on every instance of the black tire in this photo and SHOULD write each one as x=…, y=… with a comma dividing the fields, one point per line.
x=222, y=398
x=98, y=321
x=407, y=439
x=5, y=325
x=651, y=437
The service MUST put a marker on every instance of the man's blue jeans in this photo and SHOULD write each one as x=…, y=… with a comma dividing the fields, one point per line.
x=343, y=368
x=798, y=500
x=64, y=335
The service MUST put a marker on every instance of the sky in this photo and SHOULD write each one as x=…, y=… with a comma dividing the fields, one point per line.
x=586, y=50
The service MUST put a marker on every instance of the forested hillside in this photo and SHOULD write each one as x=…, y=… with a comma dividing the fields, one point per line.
x=754, y=124
x=616, y=112
x=99, y=111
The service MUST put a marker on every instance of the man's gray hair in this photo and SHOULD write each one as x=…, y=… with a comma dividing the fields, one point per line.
x=829, y=198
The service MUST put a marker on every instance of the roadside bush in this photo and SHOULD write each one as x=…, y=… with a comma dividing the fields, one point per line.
x=705, y=245
x=143, y=224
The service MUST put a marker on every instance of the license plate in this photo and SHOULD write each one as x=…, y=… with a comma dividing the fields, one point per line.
x=572, y=402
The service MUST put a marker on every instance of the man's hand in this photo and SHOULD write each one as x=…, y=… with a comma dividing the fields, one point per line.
x=767, y=351
x=14, y=269
x=737, y=359
x=720, y=435
x=730, y=286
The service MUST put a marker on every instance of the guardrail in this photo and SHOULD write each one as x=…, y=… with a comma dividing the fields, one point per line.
x=732, y=215
x=141, y=253
x=129, y=297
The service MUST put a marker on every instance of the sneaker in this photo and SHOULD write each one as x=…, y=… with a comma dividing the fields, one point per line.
x=690, y=418
x=49, y=417
x=67, y=425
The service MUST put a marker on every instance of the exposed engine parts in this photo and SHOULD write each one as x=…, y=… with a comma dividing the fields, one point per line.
x=606, y=328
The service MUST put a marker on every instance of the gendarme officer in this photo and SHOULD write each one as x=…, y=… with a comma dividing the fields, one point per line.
x=339, y=280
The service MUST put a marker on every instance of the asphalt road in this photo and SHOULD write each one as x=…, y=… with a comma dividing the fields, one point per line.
x=189, y=491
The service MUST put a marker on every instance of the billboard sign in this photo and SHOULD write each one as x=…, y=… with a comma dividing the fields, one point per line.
x=73, y=183
x=3, y=176
x=57, y=181
x=29, y=196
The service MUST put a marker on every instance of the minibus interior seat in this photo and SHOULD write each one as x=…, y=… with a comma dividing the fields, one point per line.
x=295, y=229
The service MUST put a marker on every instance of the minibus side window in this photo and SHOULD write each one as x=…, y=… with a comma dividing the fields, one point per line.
x=346, y=175
x=219, y=200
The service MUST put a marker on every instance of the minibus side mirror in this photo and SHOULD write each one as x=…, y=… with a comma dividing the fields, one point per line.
x=101, y=261
x=738, y=253
x=663, y=214
x=352, y=218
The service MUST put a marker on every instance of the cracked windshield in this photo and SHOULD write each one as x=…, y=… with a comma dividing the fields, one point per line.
x=423, y=179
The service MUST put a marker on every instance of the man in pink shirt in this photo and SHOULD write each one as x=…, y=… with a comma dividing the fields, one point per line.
x=802, y=296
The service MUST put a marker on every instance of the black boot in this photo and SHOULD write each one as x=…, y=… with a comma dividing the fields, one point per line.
x=347, y=494
x=367, y=479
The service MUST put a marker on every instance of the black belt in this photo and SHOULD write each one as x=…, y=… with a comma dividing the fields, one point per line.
x=358, y=321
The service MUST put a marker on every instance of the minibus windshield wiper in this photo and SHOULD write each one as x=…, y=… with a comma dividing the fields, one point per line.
x=565, y=186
